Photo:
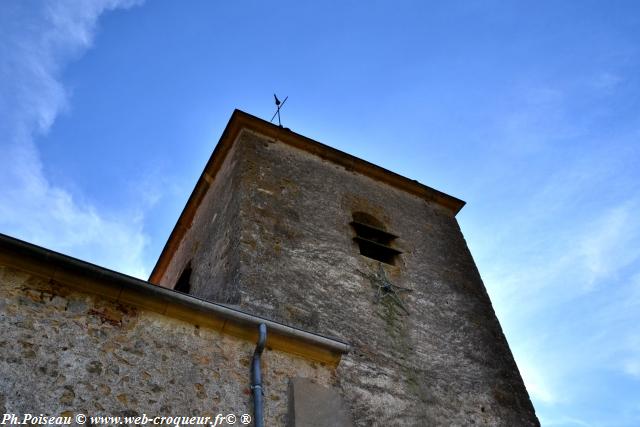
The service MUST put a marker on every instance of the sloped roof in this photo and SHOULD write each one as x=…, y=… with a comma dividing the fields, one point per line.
x=241, y=120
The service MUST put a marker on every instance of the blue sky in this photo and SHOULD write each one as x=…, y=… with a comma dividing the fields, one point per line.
x=527, y=110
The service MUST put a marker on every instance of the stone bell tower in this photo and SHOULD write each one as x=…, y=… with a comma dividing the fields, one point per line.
x=287, y=228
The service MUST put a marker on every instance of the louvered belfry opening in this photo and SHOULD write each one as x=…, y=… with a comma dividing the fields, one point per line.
x=372, y=238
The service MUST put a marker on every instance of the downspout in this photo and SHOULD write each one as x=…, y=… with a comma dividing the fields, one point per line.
x=256, y=377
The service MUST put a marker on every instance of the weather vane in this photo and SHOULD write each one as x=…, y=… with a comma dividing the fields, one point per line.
x=278, y=106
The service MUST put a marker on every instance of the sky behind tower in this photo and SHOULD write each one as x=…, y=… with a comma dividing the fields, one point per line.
x=527, y=110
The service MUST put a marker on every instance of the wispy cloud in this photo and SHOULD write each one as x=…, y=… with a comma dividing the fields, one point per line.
x=37, y=40
x=565, y=421
x=610, y=243
x=606, y=81
x=566, y=289
x=534, y=378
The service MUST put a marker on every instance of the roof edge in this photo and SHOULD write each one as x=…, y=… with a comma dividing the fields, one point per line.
x=241, y=120
x=90, y=278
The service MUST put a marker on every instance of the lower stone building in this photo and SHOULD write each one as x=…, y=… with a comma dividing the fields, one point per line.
x=374, y=311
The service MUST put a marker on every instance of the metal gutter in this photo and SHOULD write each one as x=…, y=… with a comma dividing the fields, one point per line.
x=90, y=278
x=256, y=377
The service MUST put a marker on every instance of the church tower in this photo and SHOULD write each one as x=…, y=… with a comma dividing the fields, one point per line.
x=287, y=228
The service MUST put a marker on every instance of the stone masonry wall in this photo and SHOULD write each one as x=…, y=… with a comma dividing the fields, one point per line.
x=446, y=363
x=65, y=352
x=211, y=243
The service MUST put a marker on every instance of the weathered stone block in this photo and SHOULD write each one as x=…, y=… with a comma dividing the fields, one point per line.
x=312, y=405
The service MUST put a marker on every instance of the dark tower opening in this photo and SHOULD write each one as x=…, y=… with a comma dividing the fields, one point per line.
x=374, y=242
x=184, y=282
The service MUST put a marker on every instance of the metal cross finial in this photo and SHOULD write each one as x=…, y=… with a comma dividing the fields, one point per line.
x=278, y=107
x=386, y=289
